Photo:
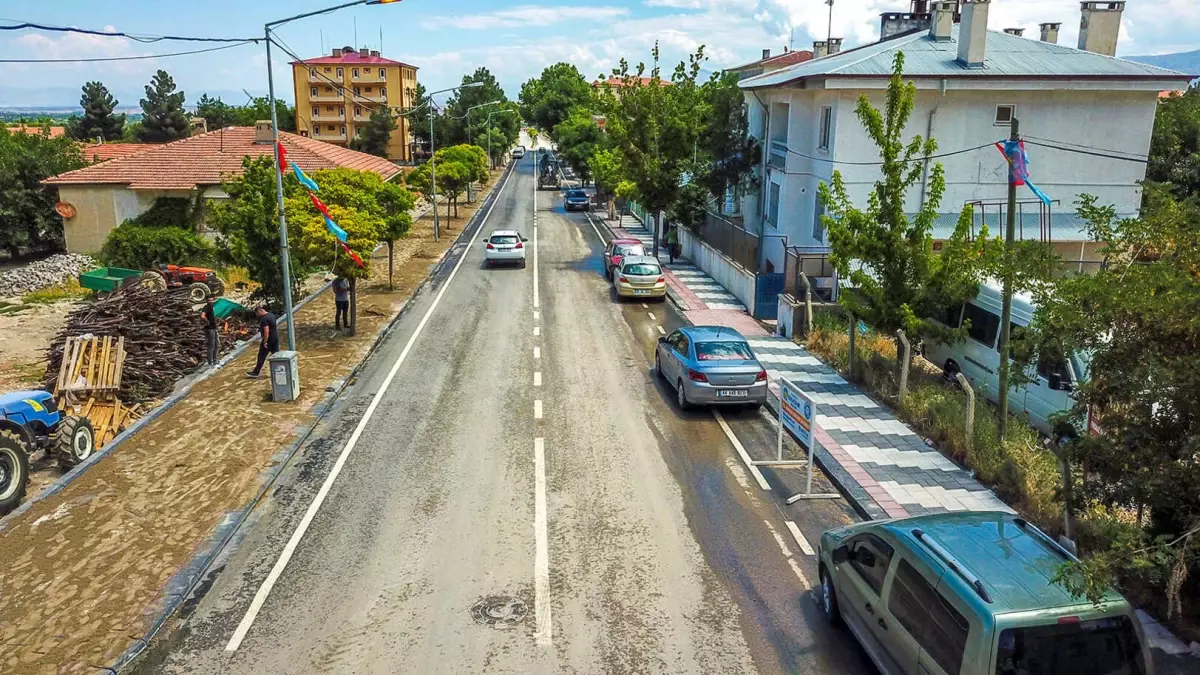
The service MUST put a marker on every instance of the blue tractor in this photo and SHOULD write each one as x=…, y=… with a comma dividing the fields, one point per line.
x=29, y=422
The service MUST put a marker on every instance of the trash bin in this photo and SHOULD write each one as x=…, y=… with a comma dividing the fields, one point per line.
x=285, y=376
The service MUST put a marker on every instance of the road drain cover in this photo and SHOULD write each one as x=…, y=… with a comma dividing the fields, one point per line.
x=499, y=611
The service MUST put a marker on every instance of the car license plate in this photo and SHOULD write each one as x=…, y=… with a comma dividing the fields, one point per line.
x=731, y=393
x=641, y=292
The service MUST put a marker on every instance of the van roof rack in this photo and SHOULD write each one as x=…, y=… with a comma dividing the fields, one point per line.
x=1037, y=532
x=953, y=564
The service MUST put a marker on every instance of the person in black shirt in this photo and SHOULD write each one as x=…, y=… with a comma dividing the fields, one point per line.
x=270, y=339
x=209, y=319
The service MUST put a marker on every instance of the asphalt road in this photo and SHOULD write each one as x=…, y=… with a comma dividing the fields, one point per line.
x=507, y=488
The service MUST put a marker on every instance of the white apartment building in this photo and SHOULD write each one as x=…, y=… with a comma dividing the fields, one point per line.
x=971, y=81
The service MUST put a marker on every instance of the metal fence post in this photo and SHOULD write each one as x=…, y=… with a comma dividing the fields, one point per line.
x=970, y=426
x=906, y=352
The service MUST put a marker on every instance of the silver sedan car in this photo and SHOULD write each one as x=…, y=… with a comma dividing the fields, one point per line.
x=710, y=365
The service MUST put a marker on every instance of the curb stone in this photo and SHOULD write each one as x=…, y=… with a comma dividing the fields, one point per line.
x=184, y=581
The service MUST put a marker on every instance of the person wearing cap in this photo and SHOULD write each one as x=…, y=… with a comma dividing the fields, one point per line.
x=269, y=328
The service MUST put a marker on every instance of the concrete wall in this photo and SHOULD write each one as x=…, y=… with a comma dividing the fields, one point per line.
x=101, y=208
x=1120, y=120
x=736, y=280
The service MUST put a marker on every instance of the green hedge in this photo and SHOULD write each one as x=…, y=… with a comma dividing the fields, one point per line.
x=137, y=247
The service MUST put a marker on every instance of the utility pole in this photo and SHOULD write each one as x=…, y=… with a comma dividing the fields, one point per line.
x=1007, y=272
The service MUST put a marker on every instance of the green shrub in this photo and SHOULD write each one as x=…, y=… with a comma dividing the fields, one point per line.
x=137, y=247
x=177, y=212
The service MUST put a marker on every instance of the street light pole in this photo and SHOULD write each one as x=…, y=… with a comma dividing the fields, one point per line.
x=285, y=260
x=437, y=232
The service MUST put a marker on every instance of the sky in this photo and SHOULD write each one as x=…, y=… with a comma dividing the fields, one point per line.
x=445, y=39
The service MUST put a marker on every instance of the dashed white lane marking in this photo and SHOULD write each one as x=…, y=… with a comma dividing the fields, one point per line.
x=541, y=558
x=661, y=330
x=800, y=540
x=537, y=409
x=537, y=297
x=645, y=306
x=741, y=451
x=537, y=379
x=537, y=352
x=537, y=330
x=260, y=597
x=800, y=574
x=536, y=315
x=651, y=315
x=783, y=548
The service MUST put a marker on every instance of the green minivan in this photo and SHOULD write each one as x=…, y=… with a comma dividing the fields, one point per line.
x=969, y=593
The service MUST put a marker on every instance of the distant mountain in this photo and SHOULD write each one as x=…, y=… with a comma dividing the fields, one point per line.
x=1184, y=62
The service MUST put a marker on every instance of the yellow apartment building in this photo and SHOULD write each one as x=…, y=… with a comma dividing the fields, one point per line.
x=336, y=94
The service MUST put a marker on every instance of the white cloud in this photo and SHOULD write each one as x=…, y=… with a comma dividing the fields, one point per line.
x=525, y=16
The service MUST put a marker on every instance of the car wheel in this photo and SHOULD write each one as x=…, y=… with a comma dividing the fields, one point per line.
x=681, y=396
x=522, y=263
x=657, y=364
x=828, y=598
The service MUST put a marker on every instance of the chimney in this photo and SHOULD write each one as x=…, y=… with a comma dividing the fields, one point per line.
x=766, y=53
x=374, y=52
x=835, y=46
x=262, y=132
x=1099, y=25
x=919, y=6
x=1050, y=32
x=1015, y=31
x=820, y=48
x=892, y=24
x=364, y=52
x=943, y=21
x=972, y=32
x=337, y=51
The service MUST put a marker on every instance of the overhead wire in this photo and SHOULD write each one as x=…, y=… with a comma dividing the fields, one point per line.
x=346, y=91
x=100, y=59
x=146, y=39
x=1083, y=147
x=1092, y=153
x=922, y=158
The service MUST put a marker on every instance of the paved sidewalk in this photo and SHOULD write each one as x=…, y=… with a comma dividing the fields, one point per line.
x=886, y=464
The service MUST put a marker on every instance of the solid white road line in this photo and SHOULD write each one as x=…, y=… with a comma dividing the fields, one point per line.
x=800, y=540
x=537, y=352
x=799, y=573
x=595, y=229
x=541, y=559
x=661, y=330
x=537, y=409
x=787, y=553
x=289, y=549
x=741, y=451
x=537, y=379
x=537, y=297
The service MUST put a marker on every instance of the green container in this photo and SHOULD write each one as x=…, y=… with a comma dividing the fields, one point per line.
x=224, y=307
x=108, y=279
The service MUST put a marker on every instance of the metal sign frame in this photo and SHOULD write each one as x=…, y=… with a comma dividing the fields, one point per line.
x=797, y=414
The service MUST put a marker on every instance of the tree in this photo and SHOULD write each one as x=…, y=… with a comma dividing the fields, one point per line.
x=456, y=131
x=319, y=248
x=579, y=138
x=27, y=216
x=397, y=203
x=549, y=99
x=375, y=134
x=731, y=152
x=895, y=279
x=1175, y=145
x=605, y=168
x=655, y=126
x=259, y=108
x=98, y=121
x=248, y=223
x=216, y=113
x=163, y=118
x=498, y=142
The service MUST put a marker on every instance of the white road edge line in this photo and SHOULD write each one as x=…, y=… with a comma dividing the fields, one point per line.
x=799, y=573
x=800, y=540
x=787, y=552
x=741, y=451
x=289, y=549
x=595, y=229
x=541, y=561
x=661, y=330
x=536, y=315
x=537, y=409
x=537, y=297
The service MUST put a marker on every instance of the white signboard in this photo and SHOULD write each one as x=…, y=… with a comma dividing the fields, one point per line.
x=797, y=412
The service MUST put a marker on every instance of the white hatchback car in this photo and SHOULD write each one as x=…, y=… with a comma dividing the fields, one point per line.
x=505, y=246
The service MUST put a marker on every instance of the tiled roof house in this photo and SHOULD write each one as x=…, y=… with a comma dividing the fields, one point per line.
x=108, y=193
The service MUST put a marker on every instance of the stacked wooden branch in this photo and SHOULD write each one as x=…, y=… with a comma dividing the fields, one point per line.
x=159, y=333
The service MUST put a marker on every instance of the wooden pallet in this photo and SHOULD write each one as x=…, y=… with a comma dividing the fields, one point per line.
x=108, y=416
x=90, y=365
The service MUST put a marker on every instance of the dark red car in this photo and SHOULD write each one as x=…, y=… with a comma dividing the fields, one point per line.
x=617, y=249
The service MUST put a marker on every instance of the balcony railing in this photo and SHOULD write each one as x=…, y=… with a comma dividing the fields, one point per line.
x=374, y=76
x=323, y=96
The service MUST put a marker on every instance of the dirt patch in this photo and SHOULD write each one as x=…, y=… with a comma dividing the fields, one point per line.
x=24, y=336
x=82, y=568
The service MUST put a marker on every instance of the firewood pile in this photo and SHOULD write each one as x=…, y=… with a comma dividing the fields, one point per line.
x=160, y=334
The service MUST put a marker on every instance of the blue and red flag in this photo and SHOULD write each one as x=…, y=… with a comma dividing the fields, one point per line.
x=304, y=180
x=353, y=256
x=329, y=224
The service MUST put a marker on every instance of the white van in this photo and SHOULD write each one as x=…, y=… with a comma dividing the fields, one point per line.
x=976, y=358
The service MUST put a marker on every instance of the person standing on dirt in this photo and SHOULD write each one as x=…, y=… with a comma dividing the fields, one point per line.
x=341, y=303
x=268, y=326
x=672, y=242
x=208, y=317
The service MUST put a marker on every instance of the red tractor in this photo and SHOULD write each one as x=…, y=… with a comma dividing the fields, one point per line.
x=200, y=281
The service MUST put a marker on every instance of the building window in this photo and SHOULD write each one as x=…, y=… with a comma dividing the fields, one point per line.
x=341, y=73
x=330, y=128
x=327, y=69
x=354, y=72
x=313, y=91
x=358, y=111
x=304, y=133
x=341, y=92
x=1005, y=114
x=328, y=89
x=342, y=111
x=316, y=111
x=383, y=92
x=773, y=205
x=312, y=72
x=317, y=130
x=357, y=91
x=343, y=130
x=826, y=123
x=818, y=224
x=368, y=90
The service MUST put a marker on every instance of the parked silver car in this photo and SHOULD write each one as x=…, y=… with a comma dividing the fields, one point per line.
x=710, y=365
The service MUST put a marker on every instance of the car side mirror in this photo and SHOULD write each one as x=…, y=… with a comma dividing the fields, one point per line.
x=523, y=239
x=662, y=340
x=841, y=554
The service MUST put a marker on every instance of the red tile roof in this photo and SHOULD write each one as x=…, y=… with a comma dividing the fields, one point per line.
x=55, y=132
x=627, y=82
x=204, y=159
x=107, y=151
x=789, y=58
x=351, y=59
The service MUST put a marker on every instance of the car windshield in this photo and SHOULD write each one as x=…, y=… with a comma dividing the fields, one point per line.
x=641, y=270
x=723, y=351
x=630, y=250
x=1100, y=647
x=576, y=194
x=504, y=239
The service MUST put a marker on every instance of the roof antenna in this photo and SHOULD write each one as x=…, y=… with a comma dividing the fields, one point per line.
x=356, y=32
